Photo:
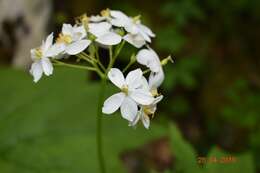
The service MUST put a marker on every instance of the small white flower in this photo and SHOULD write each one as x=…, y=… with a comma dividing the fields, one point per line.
x=132, y=93
x=150, y=59
x=40, y=56
x=73, y=39
x=138, y=34
x=104, y=34
x=146, y=111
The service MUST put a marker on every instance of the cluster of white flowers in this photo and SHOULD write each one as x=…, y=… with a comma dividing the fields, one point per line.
x=138, y=96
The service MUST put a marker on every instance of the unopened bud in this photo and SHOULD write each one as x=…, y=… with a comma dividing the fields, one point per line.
x=166, y=60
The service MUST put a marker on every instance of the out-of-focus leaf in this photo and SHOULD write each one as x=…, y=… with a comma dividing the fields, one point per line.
x=49, y=127
x=170, y=39
x=186, y=159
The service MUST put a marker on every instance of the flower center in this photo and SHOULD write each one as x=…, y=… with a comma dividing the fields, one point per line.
x=148, y=111
x=154, y=92
x=124, y=89
x=64, y=39
x=38, y=53
x=105, y=13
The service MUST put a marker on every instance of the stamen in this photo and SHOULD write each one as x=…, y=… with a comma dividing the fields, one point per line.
x=124, y=89
x=38, y=53
x=64, y=39
x=105, y=13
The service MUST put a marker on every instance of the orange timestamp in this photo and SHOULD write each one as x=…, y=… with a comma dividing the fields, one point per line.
x=214, y=159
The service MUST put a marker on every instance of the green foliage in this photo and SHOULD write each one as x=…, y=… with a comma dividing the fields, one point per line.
x=242, y=163
x=243, y=108
x=182, y=11
x=183, y=73
x=186, y=158
x=50, y=126
x=184, y=153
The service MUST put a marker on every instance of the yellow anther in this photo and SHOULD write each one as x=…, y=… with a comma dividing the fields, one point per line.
x=147, y=110
x=124, y=89
x=105, y=12
x=38, y=53
x=84, y=20
x=64, y=39
x=154, y=92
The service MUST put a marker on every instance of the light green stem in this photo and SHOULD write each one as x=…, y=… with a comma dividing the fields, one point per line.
x=99, y=136
x=59, y=63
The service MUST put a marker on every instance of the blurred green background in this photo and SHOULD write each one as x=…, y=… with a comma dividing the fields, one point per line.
x=211, y=105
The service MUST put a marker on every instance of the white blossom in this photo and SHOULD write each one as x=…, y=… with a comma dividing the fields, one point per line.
x=104, y=34
x=150, y=59
x=138, y=34
x=73, y=39
x=146, y=111
x=40, y=56
x=132, y=93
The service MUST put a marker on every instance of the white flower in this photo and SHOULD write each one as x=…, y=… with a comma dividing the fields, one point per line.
x=150, y=59
x=147, y=110
x=73, y=39
x=40, y=56
x=138, y=34
x=104, y=34
x=132, y=93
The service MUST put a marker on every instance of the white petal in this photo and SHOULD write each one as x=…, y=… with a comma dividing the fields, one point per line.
x=77, y=47
x=146, y=30
x=134, y=78
x=116, y=77
x=48, y=43
x=113, y=103
x=118, y=14
x=136, y=119
x=136, y=40
x=128, y=109
x=97, y=18
x=99, y=29
x=47, y=66
x=150, y=59
x=156, y=79
x=158, y=99
x=145, y=36
x=141, y=96
x=55, y=50
x=79, y=33
x=109, y=39
x=146, y=120
x=36, y=71
x=33, y=54
x=145, y=84
x=132, y=28
x=67, y=29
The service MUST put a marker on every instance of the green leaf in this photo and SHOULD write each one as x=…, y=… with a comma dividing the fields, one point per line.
x=50, y=126
x=186, y=160
x=240, y=163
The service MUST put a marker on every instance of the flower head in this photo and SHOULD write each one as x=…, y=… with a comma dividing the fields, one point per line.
x=130, y=96
x=40, y=56
x=104, y=33
x=73, y=39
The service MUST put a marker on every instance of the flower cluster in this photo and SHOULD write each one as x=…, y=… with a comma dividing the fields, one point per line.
x=110, y=30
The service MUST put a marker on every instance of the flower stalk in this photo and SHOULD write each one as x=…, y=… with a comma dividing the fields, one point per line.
x=99, y=136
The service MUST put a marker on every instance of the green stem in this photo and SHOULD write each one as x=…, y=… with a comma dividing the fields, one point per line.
x=59, y=63
x=99, y=127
